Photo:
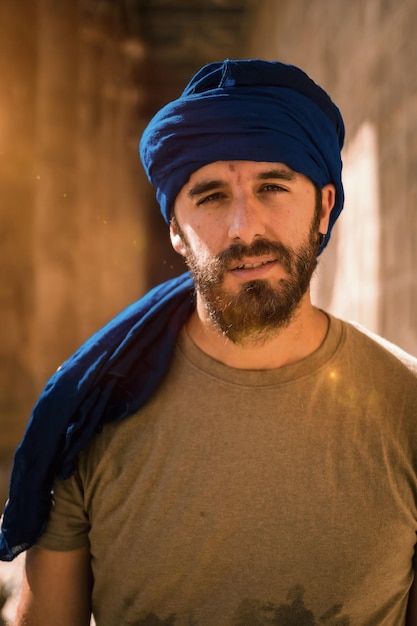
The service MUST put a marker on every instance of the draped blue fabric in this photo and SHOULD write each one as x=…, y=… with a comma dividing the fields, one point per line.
x=245, y=110
x=110, y=377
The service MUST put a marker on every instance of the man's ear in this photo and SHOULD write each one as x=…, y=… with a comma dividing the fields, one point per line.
x=176, y=239
x=328, y=199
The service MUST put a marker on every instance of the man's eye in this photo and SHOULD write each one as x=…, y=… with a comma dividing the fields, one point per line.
x=213, y=197
x=273, y=187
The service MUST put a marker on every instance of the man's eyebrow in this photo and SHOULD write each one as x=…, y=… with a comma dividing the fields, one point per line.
x=204, y=186
x=281, y=174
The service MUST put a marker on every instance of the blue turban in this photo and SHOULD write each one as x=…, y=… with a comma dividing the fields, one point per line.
x=250, y=110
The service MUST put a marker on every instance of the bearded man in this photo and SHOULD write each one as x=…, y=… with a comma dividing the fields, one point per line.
x=224, y=453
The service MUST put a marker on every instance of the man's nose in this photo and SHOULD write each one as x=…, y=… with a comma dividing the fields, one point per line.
x=246, y=221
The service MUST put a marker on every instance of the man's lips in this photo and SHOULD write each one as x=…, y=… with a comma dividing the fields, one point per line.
x=252, y=264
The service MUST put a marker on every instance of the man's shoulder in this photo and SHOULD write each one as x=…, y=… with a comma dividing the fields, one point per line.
x=382, y=349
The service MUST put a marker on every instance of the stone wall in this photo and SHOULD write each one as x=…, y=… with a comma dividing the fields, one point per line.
x=73, y=208
x=364, y=53
x=17, y=184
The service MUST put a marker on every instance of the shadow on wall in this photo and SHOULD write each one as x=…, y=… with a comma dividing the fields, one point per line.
x=354, y=247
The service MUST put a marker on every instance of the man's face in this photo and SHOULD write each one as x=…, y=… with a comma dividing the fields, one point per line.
x=249, y=232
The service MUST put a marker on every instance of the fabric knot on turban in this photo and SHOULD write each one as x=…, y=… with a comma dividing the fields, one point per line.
x=250, y=110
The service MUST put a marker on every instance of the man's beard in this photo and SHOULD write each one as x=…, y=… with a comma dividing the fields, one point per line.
x=259, y=309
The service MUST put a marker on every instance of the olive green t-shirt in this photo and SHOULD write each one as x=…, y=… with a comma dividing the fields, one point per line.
x=250, y=498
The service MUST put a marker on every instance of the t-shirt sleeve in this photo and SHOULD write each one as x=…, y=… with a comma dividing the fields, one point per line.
x=67, y=527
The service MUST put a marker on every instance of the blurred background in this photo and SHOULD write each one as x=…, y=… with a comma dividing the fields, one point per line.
x=81, y=234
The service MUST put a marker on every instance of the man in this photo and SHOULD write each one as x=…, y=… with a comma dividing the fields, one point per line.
x=265, y=469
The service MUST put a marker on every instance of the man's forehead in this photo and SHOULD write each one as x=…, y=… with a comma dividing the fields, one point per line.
x=222, y=170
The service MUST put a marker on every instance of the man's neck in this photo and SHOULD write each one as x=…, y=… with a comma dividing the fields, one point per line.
x=303, y=335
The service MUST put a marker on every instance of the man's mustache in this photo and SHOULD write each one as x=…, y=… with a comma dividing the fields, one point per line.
x=260, y=247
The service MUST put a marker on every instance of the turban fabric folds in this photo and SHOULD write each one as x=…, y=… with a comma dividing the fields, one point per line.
x=250, y=110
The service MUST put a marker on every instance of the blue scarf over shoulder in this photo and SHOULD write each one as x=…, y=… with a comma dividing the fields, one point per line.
x=110, y=377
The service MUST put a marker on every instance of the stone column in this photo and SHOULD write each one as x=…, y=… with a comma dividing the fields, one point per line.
x=112, y=243
x=56, y=227
x=17, y=182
